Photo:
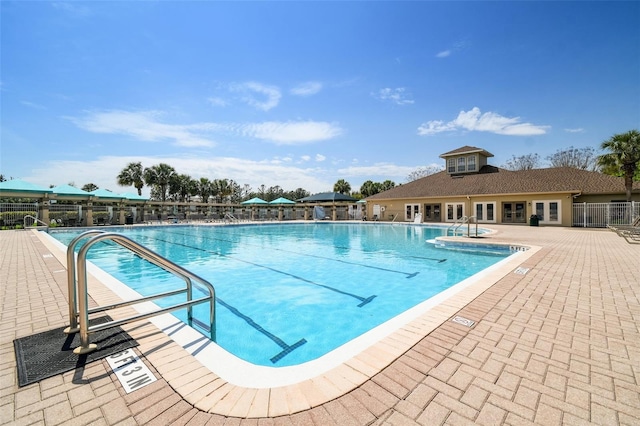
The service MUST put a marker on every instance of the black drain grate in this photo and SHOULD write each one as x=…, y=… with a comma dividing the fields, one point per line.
x=50, y=353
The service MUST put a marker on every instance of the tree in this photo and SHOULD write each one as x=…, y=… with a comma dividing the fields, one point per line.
x=524, y=162
x=89, y=187
x=273, y=192
x=223, y=189
x=623, y=158
x=2, y=178
x=235, y=196
x=298, y=194
x=578, y=158
x=369, y=188
x=386, y=185
x=182, y=186
x=342, y=186
x=423, y=172
x=204, y=189
x=159, y=176
x=132, y=175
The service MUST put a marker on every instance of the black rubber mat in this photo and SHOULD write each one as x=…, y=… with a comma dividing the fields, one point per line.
x=50, y=353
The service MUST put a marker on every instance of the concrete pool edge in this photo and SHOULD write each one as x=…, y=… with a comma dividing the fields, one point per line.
x=206, y=390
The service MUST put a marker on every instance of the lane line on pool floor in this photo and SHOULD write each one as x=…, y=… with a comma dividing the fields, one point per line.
x=407, y=274
x=363, y=300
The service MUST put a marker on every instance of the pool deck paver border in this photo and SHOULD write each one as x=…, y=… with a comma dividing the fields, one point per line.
x=558, y=345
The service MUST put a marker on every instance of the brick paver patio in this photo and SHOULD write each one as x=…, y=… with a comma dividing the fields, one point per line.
x=557, y=345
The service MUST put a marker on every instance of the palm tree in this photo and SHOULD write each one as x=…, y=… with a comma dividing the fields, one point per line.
x=181, y=186
x=204, y=188
x=132, y=175
x=369, y=188
x=159, y=176
x=624, y=158
x=89, y=187
x=386, y=185
x=223, y=188
x=342, y=186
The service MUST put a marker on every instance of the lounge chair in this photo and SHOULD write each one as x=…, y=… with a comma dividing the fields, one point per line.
x=629, y=232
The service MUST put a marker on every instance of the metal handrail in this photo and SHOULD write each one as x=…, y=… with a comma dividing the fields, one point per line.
x=469, y=225
x=228, y=217
x=83, y=311
x=71, y=280
x=35, y=220
x=462, y=220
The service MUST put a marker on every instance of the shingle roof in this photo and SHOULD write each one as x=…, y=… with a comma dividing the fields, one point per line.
x=558, y=179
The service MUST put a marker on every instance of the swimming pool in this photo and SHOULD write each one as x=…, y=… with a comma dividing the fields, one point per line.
x=288, y=294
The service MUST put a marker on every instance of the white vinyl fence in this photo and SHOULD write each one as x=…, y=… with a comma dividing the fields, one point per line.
x=12, y=214
x=601, y=215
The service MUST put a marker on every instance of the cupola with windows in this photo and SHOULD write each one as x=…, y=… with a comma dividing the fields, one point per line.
x=466, y=160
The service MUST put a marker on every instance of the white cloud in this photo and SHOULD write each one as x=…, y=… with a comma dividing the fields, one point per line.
x=397, y=95
x=579, y=130
x=146, y=126
x=291, y=132
x=305, y=158
x=102, y=171
x=307, y=89
x=491, y=122
x=456, y=47
x=320, y=158
x=270, y=94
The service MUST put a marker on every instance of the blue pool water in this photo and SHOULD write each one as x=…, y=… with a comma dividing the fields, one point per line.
x=287, y=294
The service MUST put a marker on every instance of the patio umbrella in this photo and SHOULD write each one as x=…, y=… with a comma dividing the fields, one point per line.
x=254, y=200
x=282, y=200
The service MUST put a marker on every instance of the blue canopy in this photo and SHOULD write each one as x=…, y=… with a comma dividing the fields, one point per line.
x=105, y=193
x=255, y=200
x=69, y=190
x=133, y=197
x=19, y=185
x=282, y=200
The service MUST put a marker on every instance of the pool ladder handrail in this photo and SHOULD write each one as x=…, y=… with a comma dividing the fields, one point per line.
x=461, y=221
x=79, y=317
x=229, y=218
x=35, y=220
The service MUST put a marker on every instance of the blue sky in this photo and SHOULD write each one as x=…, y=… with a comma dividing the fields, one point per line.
x=300, y=93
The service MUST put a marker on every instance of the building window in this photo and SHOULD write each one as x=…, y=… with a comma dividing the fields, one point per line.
x=471, y=163
x=485, y=212
x=451, y=165
x=410, y=211
x=554, y=211
x=549, y=211
x=455, y=211
x=462, y=164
